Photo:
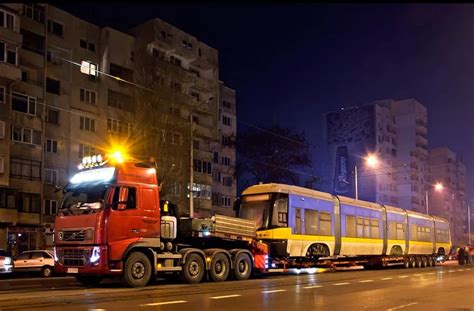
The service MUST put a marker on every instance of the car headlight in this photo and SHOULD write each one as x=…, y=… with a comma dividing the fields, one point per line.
x=7, y=261
x=95, y=256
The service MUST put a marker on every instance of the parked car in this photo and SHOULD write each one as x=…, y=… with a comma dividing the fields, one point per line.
x=5, y=262
x=35, y=261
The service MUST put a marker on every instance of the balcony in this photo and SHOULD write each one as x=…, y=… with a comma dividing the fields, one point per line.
x=8, y=215
x=10, y=71
x=28, y=218
x=201, y=131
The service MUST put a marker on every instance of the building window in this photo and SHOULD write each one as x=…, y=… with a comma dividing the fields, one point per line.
x=87, y=45
x=227, y=181
x=34, y=11
x=225, y=201
x=86, y=151
x=7, y=20
x=216, y=157
x=225, y=161
x=202, y=191
x=226, y=141
x=8, y=53
x=216, y=176
x=166, y=35
x=50, y=176
x=50, y=207
x=52, y=116
x=23, y=103
x=226, y=104
x=53, y=86
x=175, y=61
x=30, y=203
x=87, y=124
x=7, y=198
x=200, y=166
x=113, y=125
x=26, y=135
x=196, y=144
x=194, y=95
x=2, y=129
x=51, y=145
x=87, y=96
x=176, y=139
x=2, y=95
x=55, y=28
x=25, y=169
x=226, y=120
x=186, y=44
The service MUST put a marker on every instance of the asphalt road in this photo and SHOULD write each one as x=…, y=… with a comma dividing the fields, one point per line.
x=448, y=287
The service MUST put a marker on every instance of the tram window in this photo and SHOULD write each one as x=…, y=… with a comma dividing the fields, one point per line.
x=360, y=227
x=311, y=222
x=350, y=226
x=400, y=235
x=392, y=230
x=374, y=228
x=297, y=220
x=280, y=213
x=413, y=235
x=325, y=224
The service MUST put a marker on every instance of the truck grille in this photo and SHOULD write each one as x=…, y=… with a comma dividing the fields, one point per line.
x=74, y=235
x=75, y=257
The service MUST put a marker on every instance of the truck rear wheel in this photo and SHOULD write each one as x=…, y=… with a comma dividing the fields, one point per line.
x=193, y=269
x=137, y=272
x=242, y=267
x=89, y=280
x=220, y=266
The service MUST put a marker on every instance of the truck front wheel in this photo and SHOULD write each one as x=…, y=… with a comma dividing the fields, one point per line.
x=193, y=269
x=137, y=272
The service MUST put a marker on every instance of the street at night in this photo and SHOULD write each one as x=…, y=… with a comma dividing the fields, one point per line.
x=446, y=287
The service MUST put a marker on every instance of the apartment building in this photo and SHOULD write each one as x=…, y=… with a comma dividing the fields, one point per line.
x=451, y=201
x=393, y=131
x=224, y=187
x=157, y=93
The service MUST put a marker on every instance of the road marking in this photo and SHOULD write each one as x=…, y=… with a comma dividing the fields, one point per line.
x=339, y=284
x=273, y=291
x=403, y=306
x=366, y=281
x=460, y=269
x=430, y=273
x=441, y=272
x=452, y=271
x=312, y=286
x=226, y=296
x=418, y=274
x=403, y=276
x=386, y=279
x=468, y=269
x=163, y=303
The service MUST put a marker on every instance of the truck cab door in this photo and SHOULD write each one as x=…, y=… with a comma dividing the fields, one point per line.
x=123, y=221
x=150, y=212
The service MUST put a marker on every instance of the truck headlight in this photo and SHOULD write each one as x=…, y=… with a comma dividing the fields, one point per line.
x=95, y=256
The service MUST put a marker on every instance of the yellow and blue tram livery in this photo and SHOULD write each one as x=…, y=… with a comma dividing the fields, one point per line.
x=308, y=225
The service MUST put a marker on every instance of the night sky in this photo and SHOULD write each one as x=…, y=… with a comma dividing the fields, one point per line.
x=295, y=62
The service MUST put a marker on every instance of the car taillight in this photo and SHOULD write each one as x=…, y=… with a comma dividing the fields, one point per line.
x=2, y=257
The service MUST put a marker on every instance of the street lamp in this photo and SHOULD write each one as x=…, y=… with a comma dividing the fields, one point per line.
x=372, y=161
x=438, y=187
x=191, y=164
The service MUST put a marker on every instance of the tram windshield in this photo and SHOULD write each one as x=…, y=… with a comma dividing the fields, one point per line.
x=267, y=210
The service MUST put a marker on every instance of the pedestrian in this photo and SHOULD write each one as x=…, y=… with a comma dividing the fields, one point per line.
x=461, y=256
x=467, y=255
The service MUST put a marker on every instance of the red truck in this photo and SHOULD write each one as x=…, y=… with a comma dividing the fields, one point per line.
x=111, y=223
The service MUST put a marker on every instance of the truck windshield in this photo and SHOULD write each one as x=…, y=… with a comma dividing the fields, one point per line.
x=79, y=201
x=267, y=210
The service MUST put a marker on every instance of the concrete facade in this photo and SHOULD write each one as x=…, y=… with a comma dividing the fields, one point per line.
x=395, y=132
x=51, y=114
x=450, y=202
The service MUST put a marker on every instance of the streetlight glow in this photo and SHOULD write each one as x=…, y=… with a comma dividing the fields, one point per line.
x=371, y=160
x=438, y=186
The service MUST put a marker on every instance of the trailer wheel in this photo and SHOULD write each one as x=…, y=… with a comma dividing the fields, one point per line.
x=412, y=262
x=219, y=268
x=433, y=261
x=137, y=272
x=406, y=262
x=429, y=261
x=89, y=280
x=424, y=262
x=193, y=269
x=417, y=262
x=242, y=267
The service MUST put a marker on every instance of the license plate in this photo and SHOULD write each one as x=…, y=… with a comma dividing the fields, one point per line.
x=72, y=270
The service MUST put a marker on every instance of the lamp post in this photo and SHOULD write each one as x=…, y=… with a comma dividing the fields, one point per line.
x=371, y=160
x=191, y=164
x=438, y=187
